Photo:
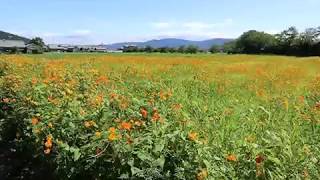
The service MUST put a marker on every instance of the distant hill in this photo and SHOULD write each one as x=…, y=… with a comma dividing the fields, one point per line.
x=9, y=36
x=173, y=43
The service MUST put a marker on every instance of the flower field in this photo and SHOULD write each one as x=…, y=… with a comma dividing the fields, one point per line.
x=164, y=116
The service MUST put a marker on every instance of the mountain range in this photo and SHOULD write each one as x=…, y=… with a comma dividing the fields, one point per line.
x=168, y=42
x=9, y=36
x=172, y=43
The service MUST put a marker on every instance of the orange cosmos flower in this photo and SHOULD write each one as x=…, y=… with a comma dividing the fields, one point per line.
x=301, y=99
x=52, y=100
x=113, y=96
x=112, y=137
x=34, y=81
x=192, y=136
x=144, y=112
x=82, y=112
x=98, y=100
x=50, y=125
x=92, y=123
x=102, y=80
x=49, y=137
x=87, y=124
x=176, y=107
x=112, y=130
x=126, y=126
x=48, y=144
x=98, y=134
x=34, y=121
x=231, y=158
x=259, y=159
x=155, y=116
x=112, y=134
x=162, y=95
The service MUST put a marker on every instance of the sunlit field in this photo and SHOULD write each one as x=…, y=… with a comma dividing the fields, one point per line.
x=153, y=116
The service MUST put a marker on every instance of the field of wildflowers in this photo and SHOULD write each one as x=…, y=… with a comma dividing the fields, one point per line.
x=164, y=116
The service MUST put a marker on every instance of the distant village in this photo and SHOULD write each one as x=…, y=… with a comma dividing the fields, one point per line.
x=80, y=48
x=16, y=46
x=13, y=44
x=10, y=43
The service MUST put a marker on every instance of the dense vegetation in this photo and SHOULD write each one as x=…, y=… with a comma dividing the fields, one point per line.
x=191, y=49
x=164, y=116
x=288, y=42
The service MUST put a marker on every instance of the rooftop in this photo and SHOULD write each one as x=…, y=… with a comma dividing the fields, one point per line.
x=12, y=43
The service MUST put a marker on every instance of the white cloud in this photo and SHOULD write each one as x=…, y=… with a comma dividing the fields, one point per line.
x=192, y=29
x=192, y=24
x=82, y=32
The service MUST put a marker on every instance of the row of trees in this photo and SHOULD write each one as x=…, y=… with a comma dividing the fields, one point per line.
x=288, y=42
x=191, y=49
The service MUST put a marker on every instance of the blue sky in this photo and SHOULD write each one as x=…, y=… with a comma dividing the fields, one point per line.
x=108, y=21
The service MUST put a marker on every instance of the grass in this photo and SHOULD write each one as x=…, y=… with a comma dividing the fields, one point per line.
x=208, y=116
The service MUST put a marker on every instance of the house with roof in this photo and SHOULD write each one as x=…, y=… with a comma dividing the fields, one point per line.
x=57, y=48
x=12, y=45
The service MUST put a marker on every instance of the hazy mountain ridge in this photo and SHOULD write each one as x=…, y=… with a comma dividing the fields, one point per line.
x=173, y=43
x=9, y=36
x=167, y=42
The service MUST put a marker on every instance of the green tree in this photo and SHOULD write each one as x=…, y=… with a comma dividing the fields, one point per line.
x=38, y=41
x=230, y=47
x=215, y=49
x=181, y=49
x=192, y=49
x=307, y=41
x=287, y=41
x=148, y=49
x=164, y=49
x=255, y=42
x=172, y=50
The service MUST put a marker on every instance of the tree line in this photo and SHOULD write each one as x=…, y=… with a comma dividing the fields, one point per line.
x=288, y=42
x=191, y=49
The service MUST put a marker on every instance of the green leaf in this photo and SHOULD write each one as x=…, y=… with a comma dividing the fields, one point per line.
x=76, y=155
x=159, y=147
x=135, y=170
x=143, y=156
x=71, y=125
x=275, y=160
x=159, y=162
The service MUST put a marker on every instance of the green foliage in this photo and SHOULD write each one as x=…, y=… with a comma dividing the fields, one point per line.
x=215, y=49
x=96, y=121
x=37, y=41
x=191, y=49
x=254, y=42
x=288, y=42
x=148, y=49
